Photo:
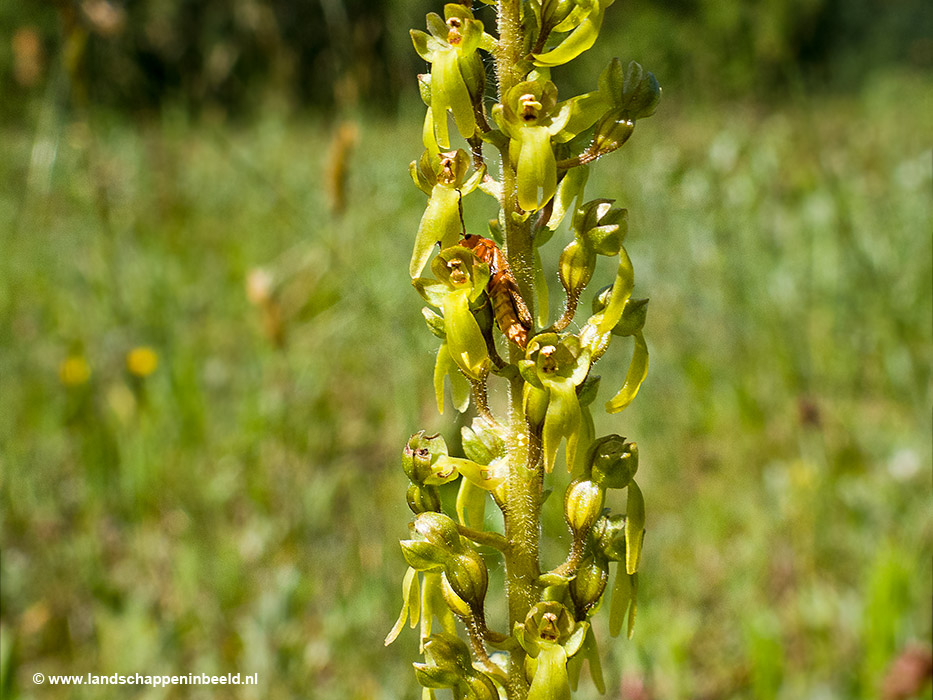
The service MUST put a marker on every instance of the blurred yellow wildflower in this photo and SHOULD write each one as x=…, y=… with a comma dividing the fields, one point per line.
x=142, y=361
x=74, y=370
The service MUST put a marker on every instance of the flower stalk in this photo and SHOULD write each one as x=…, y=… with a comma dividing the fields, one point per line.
x=488, y=307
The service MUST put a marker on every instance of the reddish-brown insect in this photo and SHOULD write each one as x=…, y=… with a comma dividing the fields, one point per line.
x=511, y=312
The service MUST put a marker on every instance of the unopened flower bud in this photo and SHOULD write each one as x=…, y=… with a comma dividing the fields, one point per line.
x=435, y=677
x=447, y=651
x=439, y=530
x=613, y=130
x=583, y=504
x=634, y=93
x=468, y=577
x=575, y=267
x=422, y=499
x=613, y=462
x=447, y=662
x=588, y=585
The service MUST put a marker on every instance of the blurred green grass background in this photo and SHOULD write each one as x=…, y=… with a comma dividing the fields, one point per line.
x=237, y=509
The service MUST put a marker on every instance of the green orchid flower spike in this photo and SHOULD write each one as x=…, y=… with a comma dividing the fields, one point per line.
x=443, y=178
x=457, y=73
x=553, y=368
x=531, y=383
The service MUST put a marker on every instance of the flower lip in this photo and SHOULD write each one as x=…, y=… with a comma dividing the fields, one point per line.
x=530, y=107
x=548, y=630
x=448, y=174
x=457, y=274
x=549, y=361
x=454, y=36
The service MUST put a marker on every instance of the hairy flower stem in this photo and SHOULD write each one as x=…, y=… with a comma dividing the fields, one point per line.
x=475, y=287
x=522, y=516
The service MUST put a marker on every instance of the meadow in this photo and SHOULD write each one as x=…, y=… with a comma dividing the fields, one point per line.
x=208, y=372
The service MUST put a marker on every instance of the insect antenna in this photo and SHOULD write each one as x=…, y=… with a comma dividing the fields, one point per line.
x=460, y=211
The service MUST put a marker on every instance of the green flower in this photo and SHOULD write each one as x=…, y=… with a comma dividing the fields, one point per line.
x=549, y=636
x=448, y=665
x=612, y=462
x=423, y=498
x=443, y=178
x=631, y=95
x=531, y=117
x=619, y=539
x=600, y=226
x=435, y=547
x=616, y=313
x=421, y=460
x=457, y=73
x=526, y=118
x=461, y=280
x=553, y=368
x=634, y=94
